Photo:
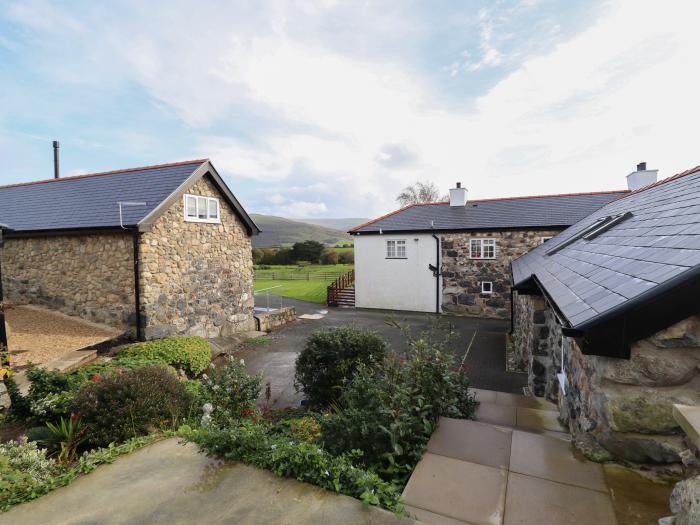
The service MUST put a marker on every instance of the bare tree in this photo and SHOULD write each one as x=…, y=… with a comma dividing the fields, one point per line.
x=419, y=192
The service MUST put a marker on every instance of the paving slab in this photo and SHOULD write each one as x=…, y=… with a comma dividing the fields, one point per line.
x=496, y=414
x=458, y=489
x=472, y=441
x=536, y=419
x=534, y=501
x=554, y=460
x=432, y=518
x=172, y=483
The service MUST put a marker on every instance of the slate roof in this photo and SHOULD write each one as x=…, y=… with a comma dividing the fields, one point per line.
x=657, y=247
x=91, y=201
x=493, y=214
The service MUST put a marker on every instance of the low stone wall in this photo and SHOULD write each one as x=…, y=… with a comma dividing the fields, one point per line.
x=462, y=276
x=268, y=321
x=615, y=408
x=89, y=276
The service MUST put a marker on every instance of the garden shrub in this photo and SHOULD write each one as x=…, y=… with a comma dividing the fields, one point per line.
x=231, y=391
x=192, y=353
x=119, y=406
x=390, y=409
x=305, y=429
x=258, y=445
x=331, y=357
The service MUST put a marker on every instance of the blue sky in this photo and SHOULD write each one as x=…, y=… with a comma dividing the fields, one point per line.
x=328, y=108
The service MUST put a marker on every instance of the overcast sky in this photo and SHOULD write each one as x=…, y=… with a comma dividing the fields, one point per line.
x=328, y=108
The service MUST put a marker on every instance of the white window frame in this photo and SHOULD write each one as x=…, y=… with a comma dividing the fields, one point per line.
x=482, y=242
x=485, y=285
x=393, y=249
x=207, y=204
x=545, y=238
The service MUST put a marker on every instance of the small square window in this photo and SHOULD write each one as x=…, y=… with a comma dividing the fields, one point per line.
x=202, y=209
x=482, y=249
x=396, y=249
x=486, y=287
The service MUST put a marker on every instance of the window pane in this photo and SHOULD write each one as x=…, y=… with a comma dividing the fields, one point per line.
x=489, y=248
x=400, y=248
x=201, y=207
x=391, y=248
x=191, y=206
x=213, y=209
x=475, y=249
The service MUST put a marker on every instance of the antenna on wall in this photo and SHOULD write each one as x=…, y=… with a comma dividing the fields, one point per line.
x=126, y=203
x=55, y=159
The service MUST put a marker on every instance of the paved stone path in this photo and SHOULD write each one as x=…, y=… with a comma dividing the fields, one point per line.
x=172, y=483
x=516, y=465
x=499, y=471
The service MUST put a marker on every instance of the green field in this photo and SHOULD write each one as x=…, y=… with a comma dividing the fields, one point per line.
x=308, y=283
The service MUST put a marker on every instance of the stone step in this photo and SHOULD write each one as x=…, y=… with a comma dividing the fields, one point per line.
x=519, y=412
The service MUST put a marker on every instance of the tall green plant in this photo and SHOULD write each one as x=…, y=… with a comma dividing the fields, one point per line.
x=69, y=434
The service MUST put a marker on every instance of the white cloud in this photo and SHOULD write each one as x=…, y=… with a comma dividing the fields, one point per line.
x=339, y=131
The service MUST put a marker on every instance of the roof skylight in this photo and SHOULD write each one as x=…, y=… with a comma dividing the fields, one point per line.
x=591, y=232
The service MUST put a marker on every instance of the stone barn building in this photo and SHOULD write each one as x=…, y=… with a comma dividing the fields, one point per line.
x=607, y=320
x=155, y=251
x=471, y=242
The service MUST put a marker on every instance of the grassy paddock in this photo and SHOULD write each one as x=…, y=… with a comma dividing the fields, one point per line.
x=312, y=290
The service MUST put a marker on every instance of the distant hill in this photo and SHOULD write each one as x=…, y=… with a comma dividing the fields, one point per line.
x=338, y=224
x=278, y=231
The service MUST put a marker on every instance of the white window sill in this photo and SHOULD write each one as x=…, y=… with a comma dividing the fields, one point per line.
x=205, y=221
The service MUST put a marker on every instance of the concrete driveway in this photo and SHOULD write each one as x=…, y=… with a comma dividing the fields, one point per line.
x=480, y=345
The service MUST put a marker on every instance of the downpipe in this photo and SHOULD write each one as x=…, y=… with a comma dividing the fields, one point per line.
x=437, y=273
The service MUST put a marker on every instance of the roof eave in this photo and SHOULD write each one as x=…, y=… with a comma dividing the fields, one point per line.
x=146, y=224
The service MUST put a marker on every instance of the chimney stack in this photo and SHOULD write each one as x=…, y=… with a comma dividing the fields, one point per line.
x=458, y=196
x=55, y=159
x=642, y=177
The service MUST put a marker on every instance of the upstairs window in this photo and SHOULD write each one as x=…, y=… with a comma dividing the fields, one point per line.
x=396, y=249
x=201, y=209
x=482, y=249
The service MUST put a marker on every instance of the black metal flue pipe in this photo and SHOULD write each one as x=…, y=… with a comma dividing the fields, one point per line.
x=55, y=159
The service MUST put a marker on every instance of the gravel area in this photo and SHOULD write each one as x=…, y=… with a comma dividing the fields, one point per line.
x=39, y=336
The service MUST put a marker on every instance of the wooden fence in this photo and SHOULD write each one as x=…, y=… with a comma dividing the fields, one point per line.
x=297, y=276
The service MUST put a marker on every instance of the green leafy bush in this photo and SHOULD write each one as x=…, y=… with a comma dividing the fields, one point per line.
x=331, y=357
x=231, y=391
x=389, y=410
x=192, y=354
x=305, y=429
x=133, y=403
x=258, y=445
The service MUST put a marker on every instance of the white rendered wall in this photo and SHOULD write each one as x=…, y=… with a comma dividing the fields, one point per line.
x=395, y=284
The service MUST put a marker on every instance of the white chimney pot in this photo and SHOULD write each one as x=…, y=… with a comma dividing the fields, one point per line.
x=642, y=177
x=458, y=196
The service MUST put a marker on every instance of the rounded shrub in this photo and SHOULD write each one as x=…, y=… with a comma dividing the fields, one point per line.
x=193, y=354
x=331, y=357
x=130, y=403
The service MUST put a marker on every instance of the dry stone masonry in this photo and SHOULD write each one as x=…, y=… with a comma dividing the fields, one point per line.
x=615, y=408
x=197, y=278
x=462, y=276
x=90, y=276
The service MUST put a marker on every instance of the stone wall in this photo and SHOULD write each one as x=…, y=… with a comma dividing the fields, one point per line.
x=615, y=408
x=268, y=321
x=90, y=276
x=197, y=278
x=462, y=276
